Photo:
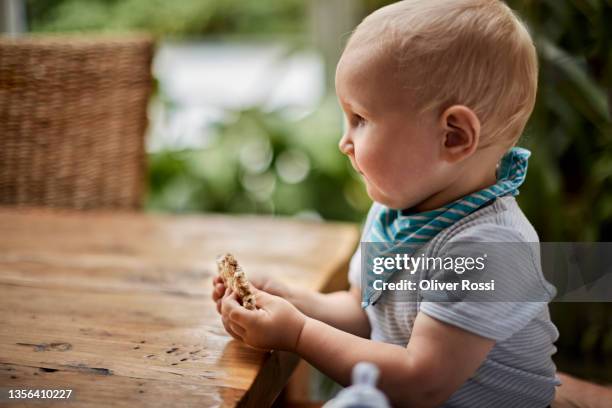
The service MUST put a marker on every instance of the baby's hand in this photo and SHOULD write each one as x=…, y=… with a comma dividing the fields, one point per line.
x=275, y=324
x=264, y=283
x=270, y=285
x=218, y=291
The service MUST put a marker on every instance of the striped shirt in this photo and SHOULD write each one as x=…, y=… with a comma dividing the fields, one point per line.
x=518, y=372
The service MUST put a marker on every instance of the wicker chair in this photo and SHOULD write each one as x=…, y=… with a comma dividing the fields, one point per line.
x=72, y=121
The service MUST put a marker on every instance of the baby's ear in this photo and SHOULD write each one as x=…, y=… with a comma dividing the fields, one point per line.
x=461, y=133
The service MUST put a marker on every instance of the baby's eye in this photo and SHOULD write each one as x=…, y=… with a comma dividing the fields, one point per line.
x=358, y=120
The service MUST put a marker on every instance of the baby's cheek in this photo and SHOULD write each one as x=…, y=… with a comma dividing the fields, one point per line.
x=371, y=163
x=381, y=175
x=371, y=155
x=404, y=173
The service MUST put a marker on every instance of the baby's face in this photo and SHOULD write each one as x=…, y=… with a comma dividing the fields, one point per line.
x=396, y=152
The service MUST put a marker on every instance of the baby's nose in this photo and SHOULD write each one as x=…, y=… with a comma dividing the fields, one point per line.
x=346, y=144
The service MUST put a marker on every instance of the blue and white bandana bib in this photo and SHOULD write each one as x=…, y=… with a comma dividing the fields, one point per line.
x=412, y=231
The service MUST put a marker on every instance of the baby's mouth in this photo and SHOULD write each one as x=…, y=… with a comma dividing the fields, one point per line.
x=355, y=167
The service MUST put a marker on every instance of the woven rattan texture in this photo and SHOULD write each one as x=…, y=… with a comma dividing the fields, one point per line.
x=72, y=121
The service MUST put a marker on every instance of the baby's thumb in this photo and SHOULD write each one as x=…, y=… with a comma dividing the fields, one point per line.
x=262, y=298
x=260, y=282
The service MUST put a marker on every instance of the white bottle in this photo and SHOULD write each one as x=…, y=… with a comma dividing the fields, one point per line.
x=363, y=393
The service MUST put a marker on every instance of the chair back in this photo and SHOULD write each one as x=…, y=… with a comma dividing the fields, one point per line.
x=73, y=115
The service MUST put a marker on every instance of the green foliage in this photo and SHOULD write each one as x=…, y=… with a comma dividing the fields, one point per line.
x=263, y=163
x=568, y=195
x=162, y=17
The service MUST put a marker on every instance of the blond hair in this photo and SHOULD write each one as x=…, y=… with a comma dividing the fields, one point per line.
x=475, y=53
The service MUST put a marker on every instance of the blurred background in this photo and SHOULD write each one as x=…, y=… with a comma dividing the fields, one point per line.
x=243, y=119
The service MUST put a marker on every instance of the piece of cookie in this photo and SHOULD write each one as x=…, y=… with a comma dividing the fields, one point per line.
x=235, y=278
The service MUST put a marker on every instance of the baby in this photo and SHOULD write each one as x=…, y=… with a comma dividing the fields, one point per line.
x=436, y=93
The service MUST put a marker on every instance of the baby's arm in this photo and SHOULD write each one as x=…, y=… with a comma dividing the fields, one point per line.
x=341, y=309
x=438, y=359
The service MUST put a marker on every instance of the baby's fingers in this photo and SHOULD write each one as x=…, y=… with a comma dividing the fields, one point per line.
x=239, y=330
x=217, y=279
x=225, y=292
x=218, y=288
x=228, y=302
x=243, y=317
x=228, y=328
x=218, y=291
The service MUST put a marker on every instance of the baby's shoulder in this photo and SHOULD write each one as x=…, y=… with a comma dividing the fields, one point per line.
x=501, y=221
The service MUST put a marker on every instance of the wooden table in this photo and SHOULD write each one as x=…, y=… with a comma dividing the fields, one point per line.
x=117, y=306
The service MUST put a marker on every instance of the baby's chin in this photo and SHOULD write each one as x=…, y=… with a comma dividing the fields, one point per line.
x=396, y=203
